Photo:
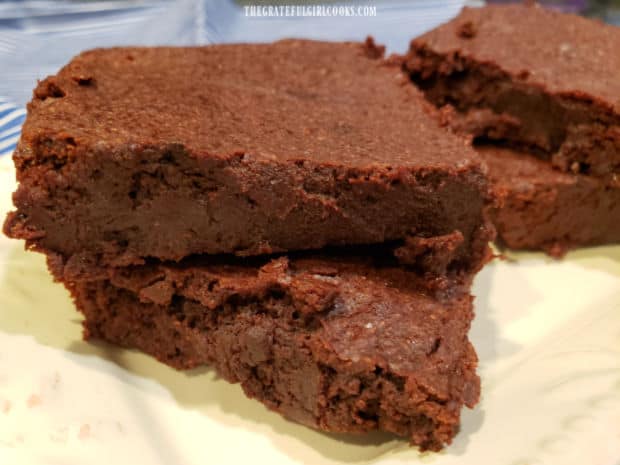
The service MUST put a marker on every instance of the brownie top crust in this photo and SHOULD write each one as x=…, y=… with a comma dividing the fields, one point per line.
x=565, y=54
x=289, y=101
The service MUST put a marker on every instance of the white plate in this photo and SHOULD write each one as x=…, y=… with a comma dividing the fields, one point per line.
x=547, y=334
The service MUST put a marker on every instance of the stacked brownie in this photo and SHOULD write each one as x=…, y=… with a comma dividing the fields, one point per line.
x=543, y=89
x=292, y=214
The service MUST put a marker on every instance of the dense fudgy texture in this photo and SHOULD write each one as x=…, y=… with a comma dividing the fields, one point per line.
x=540, y=208
x=132, y=153
x=341, y=344
x=542, y=80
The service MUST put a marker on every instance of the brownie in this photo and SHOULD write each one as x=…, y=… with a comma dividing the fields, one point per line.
x=339, y=343
x=541, y=80
x=540, y=208
x=135, y=153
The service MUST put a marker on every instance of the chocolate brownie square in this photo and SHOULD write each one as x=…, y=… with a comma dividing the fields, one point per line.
x=540, y=208
x=338, y=343
x=136, y=153
x=541, y=80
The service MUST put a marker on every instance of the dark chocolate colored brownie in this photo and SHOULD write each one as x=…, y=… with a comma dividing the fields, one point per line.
x=542, y=208
x=340, y=344
x=132, y=153
x=543, y=80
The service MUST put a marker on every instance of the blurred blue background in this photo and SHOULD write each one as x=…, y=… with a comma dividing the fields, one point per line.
x=39, y=36
x=36, y=37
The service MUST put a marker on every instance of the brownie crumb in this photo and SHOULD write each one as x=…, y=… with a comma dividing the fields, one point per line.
x=372, y=50
x=523, y=74
x=467, y=30
x=48, y=89
x=83, y=80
